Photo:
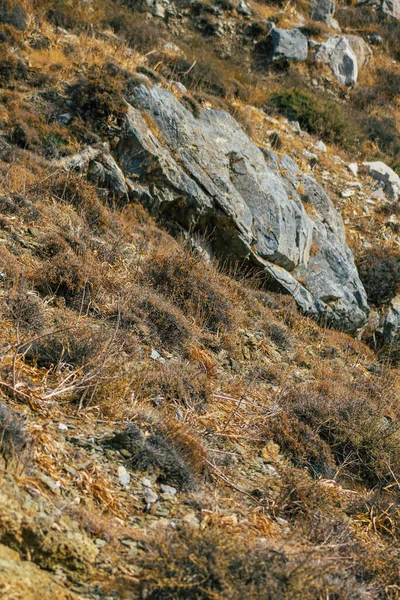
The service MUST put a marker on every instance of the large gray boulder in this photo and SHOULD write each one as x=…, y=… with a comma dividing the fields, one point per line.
x=387, y=178
x=322, y=10
x=287, y=45
x=338, y=54
x=205, y=175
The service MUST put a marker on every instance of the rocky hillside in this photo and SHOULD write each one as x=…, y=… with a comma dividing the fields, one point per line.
x=200, y=300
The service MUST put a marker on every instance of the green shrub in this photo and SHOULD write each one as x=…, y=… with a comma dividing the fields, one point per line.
x=318, y=116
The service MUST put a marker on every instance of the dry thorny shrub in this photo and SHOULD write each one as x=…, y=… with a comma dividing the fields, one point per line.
x=217, y=564
x=171, y=449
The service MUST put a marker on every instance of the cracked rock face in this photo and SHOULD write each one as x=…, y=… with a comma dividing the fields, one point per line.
x=205, y=175
x=338, y=54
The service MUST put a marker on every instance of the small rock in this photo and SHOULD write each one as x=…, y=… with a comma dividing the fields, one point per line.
x=347, y=193
x=123, y=476
x=388, y=179
x=162, y=511
x=64, y=119
x=150, y=497
x=321, y=146
x=270, y=470
x=146, y=483
x=167, y=492
x=375, y=40
x=322, y=10
x=179, y=87
x=157, y=356
x=62, y=427
x=191, y=520
x=311, y=157
x=295, y=127
x=287, y=45
x=244, y=9
x=129, y=543
x=100, y=543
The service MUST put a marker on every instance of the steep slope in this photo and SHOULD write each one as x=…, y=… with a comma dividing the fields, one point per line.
x=178, y=418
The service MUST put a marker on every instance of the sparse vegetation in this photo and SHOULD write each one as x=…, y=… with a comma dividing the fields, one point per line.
x=139, y=365
x=325, y=118
x=14, y=441
x=379, y=270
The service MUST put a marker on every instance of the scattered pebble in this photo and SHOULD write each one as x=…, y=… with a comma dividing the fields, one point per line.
x=150, y=497
x=167, y=492
x=157, y=356
x=321, y=146
x=123, y=476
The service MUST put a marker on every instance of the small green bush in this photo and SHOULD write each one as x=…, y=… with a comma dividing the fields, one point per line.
x=318, y=116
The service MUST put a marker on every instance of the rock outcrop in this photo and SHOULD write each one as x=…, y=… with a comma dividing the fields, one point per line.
x=338, y=54
x=387, y=178
x=205, y=175
x=287, y=45
x=361, y=50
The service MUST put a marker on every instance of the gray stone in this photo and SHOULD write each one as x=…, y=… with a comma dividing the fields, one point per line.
x=392, y=8
x=353, y=168
x=123, y=476
x=361, y=50
x=244, y=9
x=99, y=167
x=391, y=324
x=149, y=496
x=157, y=356
x=376, y=40
x=388, y=179
x=287, y=45
x=322, y=10
x=338, y=54
x=65, y=118
x=207, y=176
x=321, y=146
x=167, y=492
